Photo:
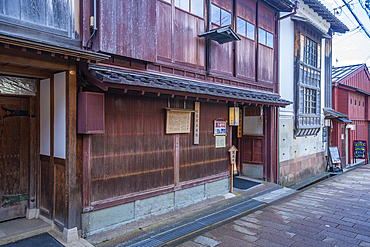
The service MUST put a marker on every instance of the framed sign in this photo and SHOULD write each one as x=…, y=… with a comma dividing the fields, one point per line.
x=220, y=141
x=335, y=156
x=360, y=150
x=178, y=121
x=219, y=128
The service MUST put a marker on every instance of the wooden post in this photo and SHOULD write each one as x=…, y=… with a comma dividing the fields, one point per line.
x=86, y=171
x=233, y=155
x=32, y=177
x=71, y=148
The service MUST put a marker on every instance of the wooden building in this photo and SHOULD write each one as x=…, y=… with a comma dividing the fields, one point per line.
x=305, y=78
x=40, y=56
x=351, y=91
x=169, y=58
x=129, y=109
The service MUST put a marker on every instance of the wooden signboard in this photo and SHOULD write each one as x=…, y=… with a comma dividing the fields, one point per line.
x=178, y=121
x=240, y=127
x=196, y=122
x=360, y=150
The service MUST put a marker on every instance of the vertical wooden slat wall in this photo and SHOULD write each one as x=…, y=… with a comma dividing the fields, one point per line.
x=134, y=154
x=197, y=161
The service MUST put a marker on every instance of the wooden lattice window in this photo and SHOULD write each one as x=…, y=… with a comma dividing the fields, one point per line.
x=310, y=101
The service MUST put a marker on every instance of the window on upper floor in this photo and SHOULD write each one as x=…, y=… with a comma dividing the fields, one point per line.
x=307, y=114
x=355, y=102
x=220, y=17
x=265, y=38
x=351, y=101
x=195, y=7
x=310, y=101
x=310, y=52
x=245, y=28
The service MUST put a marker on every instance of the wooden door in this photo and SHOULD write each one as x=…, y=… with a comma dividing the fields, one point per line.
x=14, y=151
x=343, y=144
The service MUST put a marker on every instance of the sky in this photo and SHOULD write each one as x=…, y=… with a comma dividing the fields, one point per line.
x=352, y=47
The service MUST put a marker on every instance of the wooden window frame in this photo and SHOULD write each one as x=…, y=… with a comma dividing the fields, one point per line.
x=220, y=18
x=177, y=2
x=246, y=29
x=266, y=33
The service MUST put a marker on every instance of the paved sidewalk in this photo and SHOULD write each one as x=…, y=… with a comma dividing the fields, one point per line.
x=334, y=212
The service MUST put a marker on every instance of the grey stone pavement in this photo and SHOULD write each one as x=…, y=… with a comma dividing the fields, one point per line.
x=334, y=212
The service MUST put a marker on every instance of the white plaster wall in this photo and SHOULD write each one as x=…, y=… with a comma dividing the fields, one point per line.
x=45, y=117
x=60, y=115
x=286, y=63
x=290, y=147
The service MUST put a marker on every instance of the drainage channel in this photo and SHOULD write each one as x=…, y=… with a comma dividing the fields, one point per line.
x=200, y=224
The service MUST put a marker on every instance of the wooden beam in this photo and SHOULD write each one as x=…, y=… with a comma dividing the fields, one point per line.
x=27, y=72
x=27, y=58
x=71, y=147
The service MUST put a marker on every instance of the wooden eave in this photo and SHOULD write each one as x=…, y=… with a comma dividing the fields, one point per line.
x=105, y=78
x=335, y=24
x=280, y=5
x=8, y=39
x=311, y=24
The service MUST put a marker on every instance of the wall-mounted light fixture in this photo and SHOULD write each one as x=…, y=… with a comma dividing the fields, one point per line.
x=234, y=116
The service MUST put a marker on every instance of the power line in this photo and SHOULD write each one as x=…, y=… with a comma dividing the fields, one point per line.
x=345, y=14
x=348, y=36
x=358, y=20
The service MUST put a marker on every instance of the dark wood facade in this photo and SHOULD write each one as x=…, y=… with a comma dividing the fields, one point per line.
x=132, y=158
x=163, y=38
x=38, y=41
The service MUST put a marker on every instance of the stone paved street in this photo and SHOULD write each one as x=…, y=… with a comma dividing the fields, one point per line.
x=335, y=212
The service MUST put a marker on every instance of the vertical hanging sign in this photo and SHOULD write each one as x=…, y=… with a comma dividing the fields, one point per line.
x=240, y=127
x=196, y=122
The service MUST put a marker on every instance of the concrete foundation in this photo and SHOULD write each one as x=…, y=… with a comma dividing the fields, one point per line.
x=302, y=168
x=70, y=235
x=253, y=171
x=105, y=219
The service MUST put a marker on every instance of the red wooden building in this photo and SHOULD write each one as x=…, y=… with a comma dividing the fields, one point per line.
x=351, y=92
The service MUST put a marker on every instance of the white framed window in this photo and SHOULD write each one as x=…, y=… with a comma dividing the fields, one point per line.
x=220, y=16
x=195, y=7
x=265, y=38
x=245, y=28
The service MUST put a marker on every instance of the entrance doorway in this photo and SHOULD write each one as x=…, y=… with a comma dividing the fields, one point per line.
x=14, y=156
